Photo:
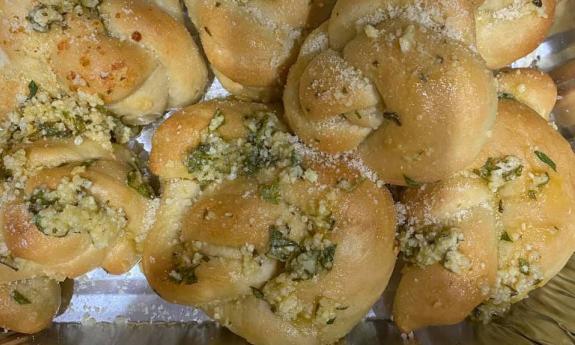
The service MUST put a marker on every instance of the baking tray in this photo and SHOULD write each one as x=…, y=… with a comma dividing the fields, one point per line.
x=105, y=309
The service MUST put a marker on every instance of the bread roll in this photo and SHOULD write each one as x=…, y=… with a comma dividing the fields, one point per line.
x=506, y=221
x=264, y=239
x=415, y=104
x=114, y=49
x=72, y=199
x=252, y=44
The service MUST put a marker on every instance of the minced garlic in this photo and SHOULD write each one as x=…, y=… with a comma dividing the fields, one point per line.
x=76, y=116
x=429, y=245
x=267, y=147
x=71, y=209
x=53, y=12
x=498, y=171
x=516, y=277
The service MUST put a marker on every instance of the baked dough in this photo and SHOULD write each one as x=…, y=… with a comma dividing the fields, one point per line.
x=28, y=306
x=114, y=49
x=69, y=255
x=265, y=241
x=512, y=212
x=72, y=199
x=252, y=43
x=416, y=104
x=507, y=30
x=564, y=76
x=501, y=30
x=529, y=86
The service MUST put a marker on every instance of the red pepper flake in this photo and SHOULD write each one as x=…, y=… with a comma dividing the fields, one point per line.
x=136, y=36
x=118, y=65
x=63, y=45
x=71, y=75
x=84, y=61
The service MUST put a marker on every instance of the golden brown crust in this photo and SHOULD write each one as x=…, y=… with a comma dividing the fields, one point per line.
x=252, y=44
x=394, y=81
x=181, y=132
x=125, y=59
x=453, y=18
x=76, y=254
x=529, y=86
x=532, y=224
x=564, y=76
x=28, y=306
x=433, y=295
x=185, y=70
x=509, y=30
x=221, y=220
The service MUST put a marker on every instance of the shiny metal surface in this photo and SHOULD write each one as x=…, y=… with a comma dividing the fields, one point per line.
x=123, y=310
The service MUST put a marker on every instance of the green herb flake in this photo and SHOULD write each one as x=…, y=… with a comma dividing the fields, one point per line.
x=8, y=262
x=136, y=181
x=32, y=89
x=532, y=194
x=537, y=3
x=257, y=293
x=411, y=183
x=501, y=208
x=198, y=158
x=508, y=167
x=346, y=307
x=545, y=159
x=280, y=247
x=392, y=116
x=331, y=321
x=270, y=193
x=327, y=256
x=505, y=237
x=20, y=298
x=505, y=95
x=523, y=266
x=184, y=275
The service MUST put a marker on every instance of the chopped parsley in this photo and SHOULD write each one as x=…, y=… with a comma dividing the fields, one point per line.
x=136, y=180
x=20, y=298
x=198, y=158
x=257, y=293
x=411, y=183
x=271, y=192
x=184, y=275
x=8, y=262
x=505, y=237
x=498, y=171
x=505, y=95
x=545, y=159
x=265, y=146
x=393, y=117
x=280, y=247
x=32, y=89
x=303, y=262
